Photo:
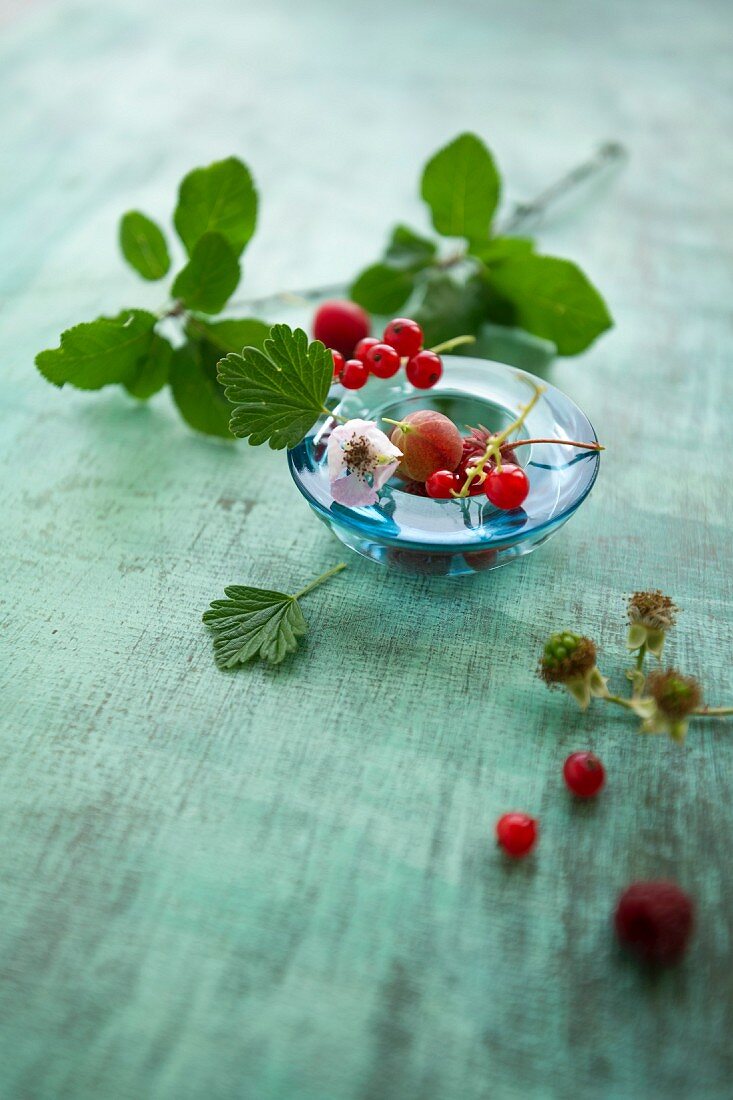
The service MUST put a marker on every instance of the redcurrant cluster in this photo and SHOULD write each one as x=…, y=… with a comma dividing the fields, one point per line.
x=453, y=460
x=401, y=342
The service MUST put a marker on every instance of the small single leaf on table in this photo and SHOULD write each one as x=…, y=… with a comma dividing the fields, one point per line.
x=277, y=393
x=99, y=353
x=257, y=622
x=143, y=245
x=220, y=199
x=210, y=277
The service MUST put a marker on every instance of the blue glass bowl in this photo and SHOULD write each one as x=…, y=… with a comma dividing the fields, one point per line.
x=449, y=537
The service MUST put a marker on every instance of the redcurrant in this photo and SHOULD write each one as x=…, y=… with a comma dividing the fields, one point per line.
x=404, y=335
x=584, y=774
x=363, y=347
x=354, y=375
x=340, y=325
x=338, y=364
x=507, y=488
x=442, y=483
x=382, y=360
x=424, y=369
x=516, y=833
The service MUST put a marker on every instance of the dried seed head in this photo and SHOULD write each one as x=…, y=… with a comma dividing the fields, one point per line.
x=567, y=657
x=652, y=609
x=676, y=695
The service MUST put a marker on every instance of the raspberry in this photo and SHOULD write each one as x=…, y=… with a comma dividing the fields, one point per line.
x=654, y=920
x=341, y=325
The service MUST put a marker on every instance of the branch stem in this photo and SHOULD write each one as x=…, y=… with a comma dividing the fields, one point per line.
x=712, y=712
x=562, y=442
x=319, y=580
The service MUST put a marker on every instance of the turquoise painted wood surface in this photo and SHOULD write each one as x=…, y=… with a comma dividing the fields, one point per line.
x=281, y=884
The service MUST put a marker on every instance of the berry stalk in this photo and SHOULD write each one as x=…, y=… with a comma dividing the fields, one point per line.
x=493, y=448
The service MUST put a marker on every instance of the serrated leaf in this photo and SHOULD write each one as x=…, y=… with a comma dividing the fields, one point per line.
x=461, y=185
x=151, y=372
x=210, y=277
x=254, y=622
x=220, y=199
x=99, y=353
x=408, y=250
x=230, y=334
x=382, y=288
x=500, y=249
x=553, y=299
x=197, y=393
x=278, y=393
x=143, y=245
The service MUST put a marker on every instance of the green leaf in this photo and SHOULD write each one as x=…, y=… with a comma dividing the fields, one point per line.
x=230, y=334
x=254, y=622
x=461, y=185
x=382, y=289
x=500, y=249
x=210, y=277
x=100, y=353
x=451, y=306
x=143, y=245
x=151, y=372
x=553, y=299
x=219, y=199
x=196, y=391
x=278, y=393
x=408, y=250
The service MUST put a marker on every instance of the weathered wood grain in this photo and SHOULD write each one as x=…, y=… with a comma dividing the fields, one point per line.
x=280, y=884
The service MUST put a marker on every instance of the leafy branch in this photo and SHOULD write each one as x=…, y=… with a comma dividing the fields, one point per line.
x=215, y=217
x=488, y=277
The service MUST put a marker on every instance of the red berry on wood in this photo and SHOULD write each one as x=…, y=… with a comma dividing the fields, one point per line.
x=338, y=364
x=508, y=487
x=516, y=833
x=382, y=360
x=341, y=325
x=654, y=920
x=404, y=335
x=442, y=484
x=584, y=774
x=424, y=369
x=354, y=375
x=363, y=346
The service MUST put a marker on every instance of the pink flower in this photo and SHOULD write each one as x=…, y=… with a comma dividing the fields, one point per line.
x=360, y=460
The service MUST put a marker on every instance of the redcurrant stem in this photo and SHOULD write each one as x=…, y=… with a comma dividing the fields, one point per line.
x=334, y=415
x=493, y=449
x=562, y=442
x=712, y=712
x=319, y=580
x=456, y=342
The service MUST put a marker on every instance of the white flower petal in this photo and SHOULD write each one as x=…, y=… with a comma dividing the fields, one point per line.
x=383, y=473
x=353, y=492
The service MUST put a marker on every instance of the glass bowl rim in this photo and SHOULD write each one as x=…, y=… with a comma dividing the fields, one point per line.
x=351, y=519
